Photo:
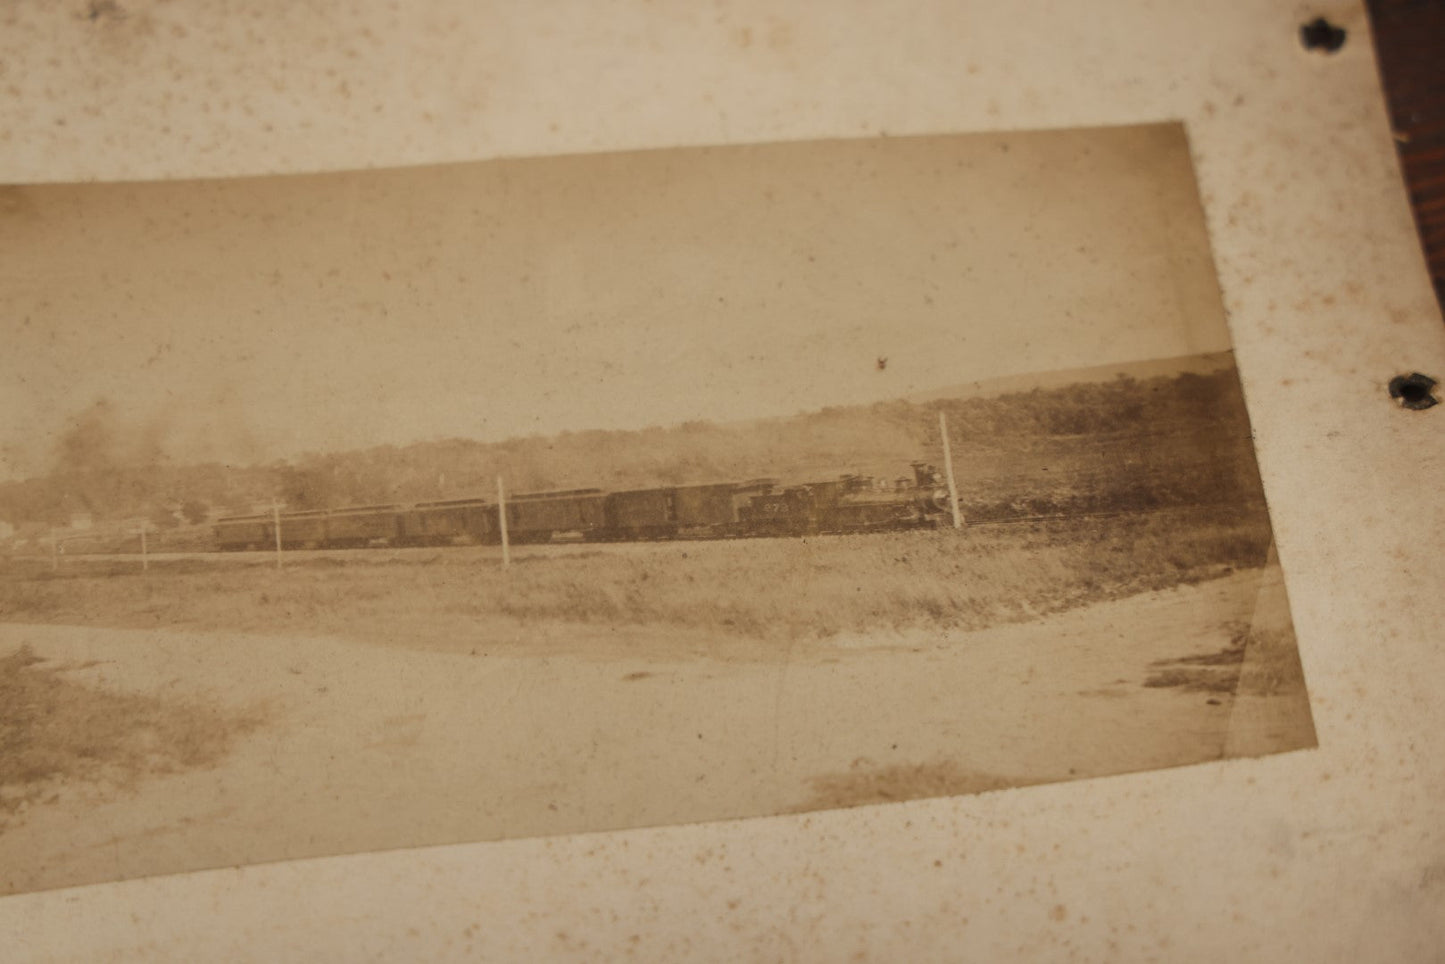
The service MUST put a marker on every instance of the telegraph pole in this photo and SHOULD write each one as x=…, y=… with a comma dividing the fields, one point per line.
x=502, y=522
x=948, y=470
x=145, y=563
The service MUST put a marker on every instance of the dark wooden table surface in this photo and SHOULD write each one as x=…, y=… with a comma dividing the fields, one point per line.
x=1410, y=43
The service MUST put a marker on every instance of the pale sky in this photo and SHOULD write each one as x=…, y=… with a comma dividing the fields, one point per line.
x=248, y=320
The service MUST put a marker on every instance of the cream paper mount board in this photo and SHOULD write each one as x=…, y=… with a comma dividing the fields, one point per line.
x=1334, y=853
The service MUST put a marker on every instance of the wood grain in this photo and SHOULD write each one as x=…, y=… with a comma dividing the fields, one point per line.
x=1410, y=43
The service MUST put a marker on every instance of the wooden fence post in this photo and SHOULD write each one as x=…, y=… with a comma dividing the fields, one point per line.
x=502, y=522
x=948, y=470
x=276, y=522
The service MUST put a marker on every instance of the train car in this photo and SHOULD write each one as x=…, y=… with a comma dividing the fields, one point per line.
x=363, y=525
x=641, y=514
x=537, y=516
x=447, y=523
x=303, y=530
x=237, y=533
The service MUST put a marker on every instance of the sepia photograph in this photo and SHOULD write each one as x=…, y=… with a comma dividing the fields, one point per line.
x=380, y=509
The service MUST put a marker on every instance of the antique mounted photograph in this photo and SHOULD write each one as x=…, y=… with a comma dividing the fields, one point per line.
x=381, y=509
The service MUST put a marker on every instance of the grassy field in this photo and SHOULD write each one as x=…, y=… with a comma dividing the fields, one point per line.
x=771, y=590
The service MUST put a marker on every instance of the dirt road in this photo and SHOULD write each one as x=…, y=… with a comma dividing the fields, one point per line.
x=367, y=746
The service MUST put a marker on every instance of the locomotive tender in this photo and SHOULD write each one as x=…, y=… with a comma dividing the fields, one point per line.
x=716, y=510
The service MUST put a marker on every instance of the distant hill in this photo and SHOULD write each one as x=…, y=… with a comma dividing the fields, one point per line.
x=1165, y=432
x=1063, y=377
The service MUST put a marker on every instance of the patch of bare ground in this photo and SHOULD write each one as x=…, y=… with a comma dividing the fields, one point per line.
x=866, y=783
x=56, y=732
x=1216, y=672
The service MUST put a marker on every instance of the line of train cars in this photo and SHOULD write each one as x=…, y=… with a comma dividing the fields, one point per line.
x=761, y=507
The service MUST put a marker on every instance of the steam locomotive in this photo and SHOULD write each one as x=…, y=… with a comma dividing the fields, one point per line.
x=717, y=510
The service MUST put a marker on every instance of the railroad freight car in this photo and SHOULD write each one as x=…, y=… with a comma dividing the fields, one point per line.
x=448, y=523
x=537, y=516
x=356, y=527
x=237, y=533
x=304, y=530
x=698, y=510
x=641, y=514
